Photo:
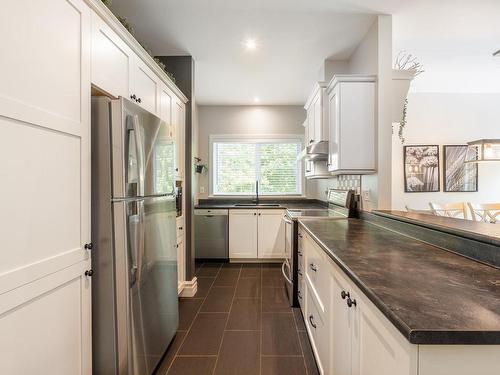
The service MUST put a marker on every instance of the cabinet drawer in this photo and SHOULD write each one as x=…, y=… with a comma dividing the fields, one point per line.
x=301, y=293
x=316, y=268
x=318, y=332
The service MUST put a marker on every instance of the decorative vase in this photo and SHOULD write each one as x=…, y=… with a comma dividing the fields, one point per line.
x=401, y=80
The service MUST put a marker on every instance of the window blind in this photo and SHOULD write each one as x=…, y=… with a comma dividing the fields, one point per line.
x=238, y=164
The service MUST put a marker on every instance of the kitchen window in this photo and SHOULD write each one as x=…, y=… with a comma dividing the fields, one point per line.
x=238, y=162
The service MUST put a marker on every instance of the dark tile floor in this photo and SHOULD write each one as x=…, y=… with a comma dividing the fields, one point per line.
x=240, y=323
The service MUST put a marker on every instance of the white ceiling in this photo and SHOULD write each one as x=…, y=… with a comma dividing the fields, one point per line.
x=454, y=39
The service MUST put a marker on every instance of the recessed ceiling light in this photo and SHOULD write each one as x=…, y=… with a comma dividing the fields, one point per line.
x=256, y=99
x=250, y=44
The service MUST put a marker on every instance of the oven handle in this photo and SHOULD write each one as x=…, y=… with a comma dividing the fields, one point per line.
x=284, y=273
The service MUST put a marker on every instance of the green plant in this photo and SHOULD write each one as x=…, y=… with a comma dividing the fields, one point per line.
x=107, y=3
x=402, y=124
x=126, y=24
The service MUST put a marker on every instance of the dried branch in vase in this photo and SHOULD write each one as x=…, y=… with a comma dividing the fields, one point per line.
x=406, y=61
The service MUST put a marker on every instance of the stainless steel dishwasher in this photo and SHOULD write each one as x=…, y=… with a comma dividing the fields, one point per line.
x=211, y=234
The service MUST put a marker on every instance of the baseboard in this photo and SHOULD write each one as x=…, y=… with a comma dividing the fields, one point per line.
x=188, y=288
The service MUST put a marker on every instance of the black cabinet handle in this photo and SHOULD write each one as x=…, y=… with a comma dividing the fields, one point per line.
x=311, y=141
x=89, y=246
x=313, y=267
x=311, y=320
x=300, y=235
x=255, y=214
x=138, y=100
x=89, y=273
x=299, y=294
x=299, y=272
x=351, y=302
x=300, y=253
x=344, y=294
x=180, y=228
x=133, y=97
x=177, y=169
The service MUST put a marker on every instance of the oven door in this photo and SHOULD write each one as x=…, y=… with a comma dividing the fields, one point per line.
x=287, y=266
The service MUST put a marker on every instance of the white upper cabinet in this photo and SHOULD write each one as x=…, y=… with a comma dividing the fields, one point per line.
x=111, y=60
x=317, y=127
x=271, y=236
x=352, y=124
x=178, y=124
x=144, y=86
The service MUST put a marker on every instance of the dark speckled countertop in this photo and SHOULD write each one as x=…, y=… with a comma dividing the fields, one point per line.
x=293, y=204
x=478, y=231
x=431, y=295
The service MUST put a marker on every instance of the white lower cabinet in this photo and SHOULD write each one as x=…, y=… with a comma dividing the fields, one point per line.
x=350, y=336
x=271, y=234
x=242, y=234
x=256, y=234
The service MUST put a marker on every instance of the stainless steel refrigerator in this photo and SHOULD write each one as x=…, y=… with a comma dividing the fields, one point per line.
x=134, y=258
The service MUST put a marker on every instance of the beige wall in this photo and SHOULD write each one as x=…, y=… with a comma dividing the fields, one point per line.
x=243, y=120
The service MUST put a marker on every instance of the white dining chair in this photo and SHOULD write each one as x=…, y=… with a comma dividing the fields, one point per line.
x=455, y=210
x=487, y=212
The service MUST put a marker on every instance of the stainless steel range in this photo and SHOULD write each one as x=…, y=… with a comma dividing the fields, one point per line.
x=342, y=204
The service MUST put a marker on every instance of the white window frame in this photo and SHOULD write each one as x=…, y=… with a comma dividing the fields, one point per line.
x=253, y=138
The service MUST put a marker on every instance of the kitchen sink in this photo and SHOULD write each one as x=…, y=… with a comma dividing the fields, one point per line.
x=257, y=205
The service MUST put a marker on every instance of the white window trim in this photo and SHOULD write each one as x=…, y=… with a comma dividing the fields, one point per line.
x=253, y=138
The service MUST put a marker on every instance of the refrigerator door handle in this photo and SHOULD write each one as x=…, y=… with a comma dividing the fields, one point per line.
x=140, y=153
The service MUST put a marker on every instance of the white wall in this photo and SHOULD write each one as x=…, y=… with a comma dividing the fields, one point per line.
x=447, y=118
x=254, y=120
x=372, y=56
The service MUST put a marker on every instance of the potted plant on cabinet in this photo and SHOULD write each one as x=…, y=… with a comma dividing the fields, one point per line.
x=406, y=68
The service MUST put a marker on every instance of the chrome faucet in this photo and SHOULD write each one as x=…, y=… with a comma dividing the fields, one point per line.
x=256, y=192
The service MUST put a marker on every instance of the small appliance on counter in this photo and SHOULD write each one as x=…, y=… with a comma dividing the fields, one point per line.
x=342, y=204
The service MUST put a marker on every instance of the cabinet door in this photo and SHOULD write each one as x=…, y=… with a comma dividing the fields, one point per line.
x=45, y=173
x=243, y=234
x=181, y=264
x=318, y=117
x=377, y=347
x=271, y=234
x=179, y=118
x=341, y=329
x=357, y=127
x=145, y=86
x=310, y=125
x=166, y=101
x=111, y=59
x=333, y=130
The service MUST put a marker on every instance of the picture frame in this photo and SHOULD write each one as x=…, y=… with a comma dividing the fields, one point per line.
x=421, y=169
x=458, y=176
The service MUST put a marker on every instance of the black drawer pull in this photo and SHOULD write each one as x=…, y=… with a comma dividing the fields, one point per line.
x=344, y=294
x=311, y=320
x=313, y=267
x=89, y=273
x=299, y=294
x=351, y=302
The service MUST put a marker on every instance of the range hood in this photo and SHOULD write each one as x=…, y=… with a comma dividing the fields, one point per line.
x=315, y=151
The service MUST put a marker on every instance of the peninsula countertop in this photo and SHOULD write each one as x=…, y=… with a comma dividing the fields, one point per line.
x=432, y=296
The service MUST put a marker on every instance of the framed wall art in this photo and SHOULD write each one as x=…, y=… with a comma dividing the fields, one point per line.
x=421, y=168
x=458, y=176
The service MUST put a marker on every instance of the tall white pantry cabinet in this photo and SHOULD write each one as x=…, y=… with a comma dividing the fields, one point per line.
x=46, y=71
